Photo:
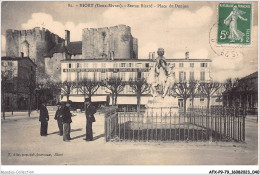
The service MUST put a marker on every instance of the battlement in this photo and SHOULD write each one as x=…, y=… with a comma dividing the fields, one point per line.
x=37, y=33
x=120, y=27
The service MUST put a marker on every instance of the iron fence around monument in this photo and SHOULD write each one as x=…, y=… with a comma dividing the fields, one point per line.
x=169, y=124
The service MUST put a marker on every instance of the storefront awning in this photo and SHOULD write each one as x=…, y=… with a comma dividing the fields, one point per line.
x=131, y=100
x=121, y=100
x=81, y=98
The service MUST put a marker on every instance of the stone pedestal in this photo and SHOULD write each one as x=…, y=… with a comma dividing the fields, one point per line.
x=161, y=108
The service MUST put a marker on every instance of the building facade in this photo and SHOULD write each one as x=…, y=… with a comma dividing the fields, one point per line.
x=244, y=95
x=130, y=69
x=18, y=82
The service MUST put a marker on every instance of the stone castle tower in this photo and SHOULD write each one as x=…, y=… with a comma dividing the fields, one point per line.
x=114, y=42
x=33, y=43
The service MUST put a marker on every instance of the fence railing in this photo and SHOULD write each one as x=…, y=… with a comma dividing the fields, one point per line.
x=220, y=123
x=170, y=124
x=111, y=123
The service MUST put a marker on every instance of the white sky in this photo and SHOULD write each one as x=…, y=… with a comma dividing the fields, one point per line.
x=174, y=29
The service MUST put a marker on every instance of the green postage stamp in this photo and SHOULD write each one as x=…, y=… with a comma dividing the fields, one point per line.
x=234, y=23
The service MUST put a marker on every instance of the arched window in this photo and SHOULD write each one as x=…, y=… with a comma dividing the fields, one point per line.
x=25, y=49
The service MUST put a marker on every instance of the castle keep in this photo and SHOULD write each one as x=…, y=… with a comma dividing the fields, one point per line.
x=46, y=49
x=114, y=42
x=33, y=43
x=110, y=43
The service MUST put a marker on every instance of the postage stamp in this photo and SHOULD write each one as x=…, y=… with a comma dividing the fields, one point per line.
x=234, y=23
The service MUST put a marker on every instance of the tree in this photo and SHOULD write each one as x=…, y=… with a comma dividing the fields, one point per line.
x=229, y=86
x=219, y=94
x=8, y=74
x=66, y=88
x=194, y=91
x=183, y=90
x=55, y=87
x=139, y=86
x=41, y=88
x=4, y=87
x=88, y=87
x=244, y=91
x=115, y=85
x=208, y=89
x=29, y=85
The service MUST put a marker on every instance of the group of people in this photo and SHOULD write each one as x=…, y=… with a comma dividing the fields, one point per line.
x=63, y=117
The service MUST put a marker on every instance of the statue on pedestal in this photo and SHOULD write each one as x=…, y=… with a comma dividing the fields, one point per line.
x=158, y=76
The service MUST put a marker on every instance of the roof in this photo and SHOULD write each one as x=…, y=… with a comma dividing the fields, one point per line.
x=72, y=48
x=59, y=48
x=75, y=47
x=253, y=75
x=246, y=84
x=250, y=88
x=17, y=59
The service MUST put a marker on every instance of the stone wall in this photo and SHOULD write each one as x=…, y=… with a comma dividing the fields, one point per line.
x=39, y=42
x=135, y=48
x=53, y=66
x=113, y=42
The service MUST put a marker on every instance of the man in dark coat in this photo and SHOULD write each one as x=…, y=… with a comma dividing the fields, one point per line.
x=58, y=117
x=44, y=118
x=66, y=118
x=90, y=111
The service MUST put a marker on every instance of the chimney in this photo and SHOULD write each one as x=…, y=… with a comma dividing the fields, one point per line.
x=112, y=55
x=153, y=55
x=187, y=55
x=67, y=37
x=150, y=55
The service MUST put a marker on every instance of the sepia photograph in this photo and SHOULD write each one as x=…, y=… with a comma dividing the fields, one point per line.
x=129, y=83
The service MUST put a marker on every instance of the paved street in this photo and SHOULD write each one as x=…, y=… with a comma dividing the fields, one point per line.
x=23, y=145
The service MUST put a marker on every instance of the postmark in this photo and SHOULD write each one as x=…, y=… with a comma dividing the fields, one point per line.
x=223, y=49
x=234, y=23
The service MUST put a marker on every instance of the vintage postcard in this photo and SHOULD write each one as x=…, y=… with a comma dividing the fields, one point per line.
x=129, y=83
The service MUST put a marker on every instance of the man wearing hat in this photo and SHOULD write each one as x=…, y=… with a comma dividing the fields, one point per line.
x=66, y=118
x=58, y=117
x=90, y=111
x=44, y=118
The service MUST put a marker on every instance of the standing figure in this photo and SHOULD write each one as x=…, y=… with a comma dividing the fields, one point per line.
x=151, y=80
x=158, y=73
x=231, y=20
x=66, y=118
x=161, y=68
x=90, y=111
x=170, y=82
x=58, y=117
x=44, y=118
